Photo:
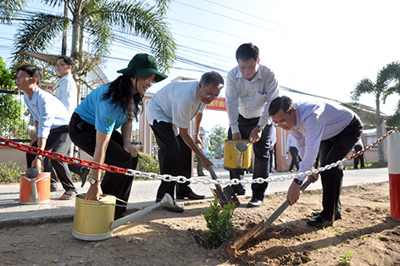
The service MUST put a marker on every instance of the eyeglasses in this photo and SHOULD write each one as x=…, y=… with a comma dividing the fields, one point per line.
x=23, y=77
x=210, y=95
x=150, y=81
x=277, y=124
x=60, y=65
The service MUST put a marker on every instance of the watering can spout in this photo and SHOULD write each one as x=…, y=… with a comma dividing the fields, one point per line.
x=166, y=201
x=32, y=173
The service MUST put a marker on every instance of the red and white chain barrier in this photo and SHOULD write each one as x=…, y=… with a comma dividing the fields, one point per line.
x=180, y=179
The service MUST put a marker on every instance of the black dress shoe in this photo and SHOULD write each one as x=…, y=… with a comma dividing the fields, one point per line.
x=191, y=195
x=241, y=193
x=338, y=216
x=175, y=208
x=254, y=203
x=319, y=222
x=84, y=175
x=53, y=187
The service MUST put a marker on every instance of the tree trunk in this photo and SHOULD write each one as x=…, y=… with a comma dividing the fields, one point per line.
x=75, y=36
x=65, y=32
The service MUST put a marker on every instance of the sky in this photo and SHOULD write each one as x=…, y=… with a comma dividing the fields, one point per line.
x=319, y=47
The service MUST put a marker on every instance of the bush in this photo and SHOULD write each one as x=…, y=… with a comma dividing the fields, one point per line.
x=219, y=223
x=147, y=164
x=10, y=172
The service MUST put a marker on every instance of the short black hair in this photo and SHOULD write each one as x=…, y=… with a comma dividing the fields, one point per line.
x=247, y=51
x=32, y=71
x=282, y=102
x=212, y=77
x=68, y=60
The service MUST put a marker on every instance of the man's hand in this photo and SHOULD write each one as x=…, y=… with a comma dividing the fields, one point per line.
x=293, y=194
x=237, y=136
x=255, y=135
x=38, y=164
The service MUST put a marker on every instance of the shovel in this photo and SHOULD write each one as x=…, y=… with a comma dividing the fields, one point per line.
x=224, y=195
x=262, y=227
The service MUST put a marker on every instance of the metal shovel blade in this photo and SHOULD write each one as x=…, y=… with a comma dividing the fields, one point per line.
x=224, y=195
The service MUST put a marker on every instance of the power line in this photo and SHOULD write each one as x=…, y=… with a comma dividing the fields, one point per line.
x=251, y=15
x=218, y=14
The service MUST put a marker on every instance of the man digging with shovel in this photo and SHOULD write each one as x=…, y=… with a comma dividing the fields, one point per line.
x=319, y=127
x=169, y=114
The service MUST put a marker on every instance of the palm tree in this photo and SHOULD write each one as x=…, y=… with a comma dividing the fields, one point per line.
x=386, y=83
x=98, y=19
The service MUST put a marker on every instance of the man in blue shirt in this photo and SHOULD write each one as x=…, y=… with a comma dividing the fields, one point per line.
x=329, y=130
x=51, y=120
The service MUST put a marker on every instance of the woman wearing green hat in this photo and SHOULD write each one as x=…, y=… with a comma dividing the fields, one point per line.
x=93, y=126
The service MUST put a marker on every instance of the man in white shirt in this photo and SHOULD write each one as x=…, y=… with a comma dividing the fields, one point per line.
x=294, y=152
x=67, y=93
x=169, y=113
x=250, y=88
x=51, y=122
x=318, y=127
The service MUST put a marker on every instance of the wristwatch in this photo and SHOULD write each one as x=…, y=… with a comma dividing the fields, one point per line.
x=94, y=181
x=40, y=157
x=298, y=181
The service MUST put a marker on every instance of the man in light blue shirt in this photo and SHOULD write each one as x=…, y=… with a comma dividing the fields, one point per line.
x=319, y=127
x=51, y=120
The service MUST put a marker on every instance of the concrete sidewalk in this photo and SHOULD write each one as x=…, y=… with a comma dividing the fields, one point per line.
x=143, y=195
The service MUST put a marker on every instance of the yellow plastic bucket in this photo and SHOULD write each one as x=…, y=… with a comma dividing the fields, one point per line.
x=93, y=219
x=42, y=187
x=233, y=158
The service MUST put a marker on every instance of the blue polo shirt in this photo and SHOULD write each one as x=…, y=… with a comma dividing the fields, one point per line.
x=102, y=114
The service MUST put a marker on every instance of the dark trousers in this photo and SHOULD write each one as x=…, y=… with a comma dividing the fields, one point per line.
x=175, y=158
x=330, y=151
x=119, y=185
x=294, y=152
x=359, y=158
x=77, y=169
x=261, y=153
x=58, y=141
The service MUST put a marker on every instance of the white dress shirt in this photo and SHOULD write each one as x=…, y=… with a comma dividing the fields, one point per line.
x=67, y=93
x=315, y=122
x=47, y=110
x=252, y=98
x=176, y=103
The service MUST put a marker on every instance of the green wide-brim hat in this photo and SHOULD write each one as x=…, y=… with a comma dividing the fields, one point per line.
x=142, y=65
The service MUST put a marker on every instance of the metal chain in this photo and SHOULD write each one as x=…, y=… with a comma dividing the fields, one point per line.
x=180, y=179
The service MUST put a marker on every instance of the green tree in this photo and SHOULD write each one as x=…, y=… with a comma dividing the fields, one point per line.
x=12, y=121
x=386, y=83
x=217, y=139
x=98, y=19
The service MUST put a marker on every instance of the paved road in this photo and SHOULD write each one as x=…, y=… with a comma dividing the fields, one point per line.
x=143, y=194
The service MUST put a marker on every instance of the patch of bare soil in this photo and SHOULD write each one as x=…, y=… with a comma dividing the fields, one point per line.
x=366, y=235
